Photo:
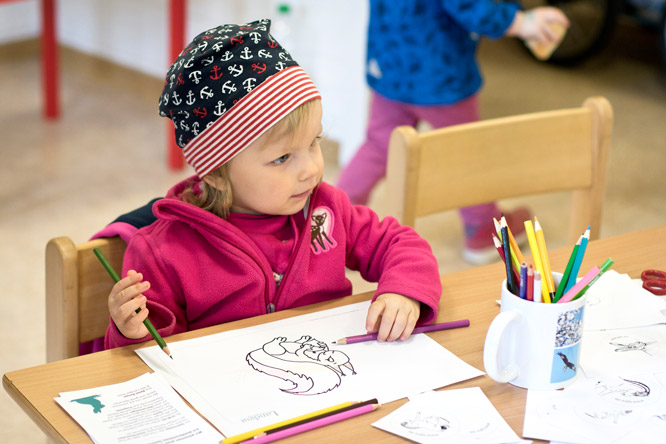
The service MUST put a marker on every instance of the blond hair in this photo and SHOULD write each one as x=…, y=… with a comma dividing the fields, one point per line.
x=218, y=201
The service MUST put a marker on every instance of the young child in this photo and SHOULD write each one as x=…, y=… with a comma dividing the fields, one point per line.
x=256, y=230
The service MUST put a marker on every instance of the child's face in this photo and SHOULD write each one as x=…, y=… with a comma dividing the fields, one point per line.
x=277, y=172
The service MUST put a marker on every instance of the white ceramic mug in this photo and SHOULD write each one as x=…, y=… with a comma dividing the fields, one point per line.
x=534, y=345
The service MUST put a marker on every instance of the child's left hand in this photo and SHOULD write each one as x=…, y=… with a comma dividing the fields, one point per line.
x=392, y=316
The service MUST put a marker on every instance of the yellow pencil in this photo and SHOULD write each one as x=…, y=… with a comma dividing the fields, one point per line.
x=531, y=239
x=543, y=251
x=252, y=433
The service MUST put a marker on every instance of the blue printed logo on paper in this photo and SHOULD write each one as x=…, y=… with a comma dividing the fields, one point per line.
x=567, y=345
x=92, y=401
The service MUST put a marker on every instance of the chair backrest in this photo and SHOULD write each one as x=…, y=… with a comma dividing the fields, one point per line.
x=77, y=288
x=488, y=160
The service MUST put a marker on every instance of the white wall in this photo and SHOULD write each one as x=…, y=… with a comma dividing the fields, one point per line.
x=329, y=43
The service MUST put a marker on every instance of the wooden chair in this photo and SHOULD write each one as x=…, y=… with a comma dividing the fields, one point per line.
x=488, y=160
x=77, y=287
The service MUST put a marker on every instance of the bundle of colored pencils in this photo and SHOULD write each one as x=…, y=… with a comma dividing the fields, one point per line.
x=535, y=282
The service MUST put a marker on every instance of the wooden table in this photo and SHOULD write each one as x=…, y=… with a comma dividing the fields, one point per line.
x=467, y=294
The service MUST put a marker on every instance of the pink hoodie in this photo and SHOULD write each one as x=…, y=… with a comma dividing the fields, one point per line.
x=204, y=271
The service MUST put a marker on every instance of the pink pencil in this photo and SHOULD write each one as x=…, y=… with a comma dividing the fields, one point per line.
x=291, y=431
x=573, y=291
x=422, y=329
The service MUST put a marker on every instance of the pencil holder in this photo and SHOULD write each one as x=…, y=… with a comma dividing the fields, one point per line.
x=534, y=345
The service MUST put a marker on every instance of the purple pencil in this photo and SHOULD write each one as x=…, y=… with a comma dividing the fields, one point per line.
x=422, y=329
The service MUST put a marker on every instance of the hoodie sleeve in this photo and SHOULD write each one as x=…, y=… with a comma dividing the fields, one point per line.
x=395, y=257
x=165, y=305
x=485, y=17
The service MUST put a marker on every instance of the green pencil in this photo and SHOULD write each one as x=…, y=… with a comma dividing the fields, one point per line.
x=602, y=270
x=149, y=325
x=567, y=271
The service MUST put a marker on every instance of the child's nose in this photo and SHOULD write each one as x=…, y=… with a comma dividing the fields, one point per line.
x=310, y=168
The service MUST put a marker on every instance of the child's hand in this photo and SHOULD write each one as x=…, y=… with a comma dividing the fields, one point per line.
x=538, y=24
x=124, y=299
x=392, y=316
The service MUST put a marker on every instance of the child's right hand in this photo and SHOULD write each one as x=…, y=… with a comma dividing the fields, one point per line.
x=125, y=298
x=537, y=24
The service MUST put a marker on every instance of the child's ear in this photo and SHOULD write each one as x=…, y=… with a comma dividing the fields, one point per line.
x=216, y=182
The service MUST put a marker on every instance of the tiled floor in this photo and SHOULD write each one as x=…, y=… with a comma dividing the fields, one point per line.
x=106, y=155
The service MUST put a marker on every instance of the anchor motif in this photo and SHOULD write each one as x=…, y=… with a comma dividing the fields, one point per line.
x=272, y=44
x=236, y=70
x=227, y=56
x=180, y=79
x=249, y=84
x=215, y=71
x=200, y=112
x=259, y=67
x=195, y=128
x=184, y=126
x=247, y=54
x=203, y=45
x=189, y=63
x=195, y=76
x=207, y=61
x=228, y=87
x=285, y=56
x=218, y=110
x=165, y=99
x=190, y=98
x=280, y=66
x=176, y=100
x=217, y=46
x=236, y=40
x=255, y=36
x=206, y=91
x=265, y=54
x=171, y=78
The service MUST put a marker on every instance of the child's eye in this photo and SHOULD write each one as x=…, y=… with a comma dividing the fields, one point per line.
x=280, y=160
x=316, y=140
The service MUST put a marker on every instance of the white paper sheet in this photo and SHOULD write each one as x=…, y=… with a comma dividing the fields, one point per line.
x=451, y=416
x=624, y=350
x=615, y=301
x=142, y=410
x=623, y=409
x=249, y=378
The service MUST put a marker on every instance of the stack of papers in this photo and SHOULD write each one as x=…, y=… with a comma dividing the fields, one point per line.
x=142, y=410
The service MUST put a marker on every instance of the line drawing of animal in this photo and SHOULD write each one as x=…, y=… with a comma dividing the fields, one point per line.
x=426, y=425
x=567, y=364
x=306, y=363
x=632, y=346
x=633, y=389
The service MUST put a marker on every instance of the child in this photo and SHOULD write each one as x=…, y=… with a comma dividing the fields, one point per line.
x=256, y=230
x=421, y=66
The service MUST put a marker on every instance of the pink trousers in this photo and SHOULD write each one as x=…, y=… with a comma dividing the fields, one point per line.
x=368, y=165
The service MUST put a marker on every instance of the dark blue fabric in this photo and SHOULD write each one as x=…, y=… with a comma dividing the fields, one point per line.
x=139, y=217
x=425, y=49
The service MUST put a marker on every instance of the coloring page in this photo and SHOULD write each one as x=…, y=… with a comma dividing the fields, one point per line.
x=249, y=378
x=450, y=416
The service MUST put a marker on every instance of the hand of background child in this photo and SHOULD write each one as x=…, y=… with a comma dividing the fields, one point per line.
x=539, y=25
x=392, y=316
x=125, y=298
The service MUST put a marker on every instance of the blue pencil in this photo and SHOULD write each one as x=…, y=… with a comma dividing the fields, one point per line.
x=573, y=275
x=523, y=280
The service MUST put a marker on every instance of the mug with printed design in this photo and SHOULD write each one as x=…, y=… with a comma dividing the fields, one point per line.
x=535, y=345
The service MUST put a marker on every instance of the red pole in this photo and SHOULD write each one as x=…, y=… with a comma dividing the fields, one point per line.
x=177, y=43
x=50, y=60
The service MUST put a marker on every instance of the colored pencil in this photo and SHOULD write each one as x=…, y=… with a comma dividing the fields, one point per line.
x=537, y=286
x=536, y=257
x=567, y=270
x=573, y=291
x=149, y=325
x=291, y=431
x=516, y=255
x=573, y=276
x=293, y=421
x=530, y=283
x=500, y=250
x=421, y=329
x=543, y=252
x=604, y=268
x=523, y=280
x=510, y=280
x=323, y=415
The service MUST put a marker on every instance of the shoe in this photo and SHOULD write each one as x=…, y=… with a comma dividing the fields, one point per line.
x=479, y=247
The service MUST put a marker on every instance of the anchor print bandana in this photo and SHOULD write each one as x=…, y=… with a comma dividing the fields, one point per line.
x=228, y=87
